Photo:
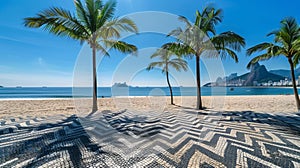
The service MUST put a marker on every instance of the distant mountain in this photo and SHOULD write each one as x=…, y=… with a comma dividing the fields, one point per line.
x=286, y=73
x=258, y=74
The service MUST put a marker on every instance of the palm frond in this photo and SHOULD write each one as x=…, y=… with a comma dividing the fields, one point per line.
x=258, y=48
x=176, y=32
x=208, y=19
x=92, y=13
x=98, y=4
x=93, y=22
x=106, y=14
x=211, y=12
x=178, y=64
x=161, y=53
x=185, y=20
x=256, y=59
x=166, y=61
x=212, y=15
x=102, y=49
x=107, y=32
x=228, y=40
x=273, y=33
x=152, y=65
x=295, y=49
x=81, y=13
x=59, y=22
x=179, y=49
x=288, y=33
x=228, y=52
x=112, y=29
x=195, y=40
x=199, y=19
x=120, y=46
x=296, y=59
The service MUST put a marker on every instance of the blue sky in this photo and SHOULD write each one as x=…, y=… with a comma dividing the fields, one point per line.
x=32, y=57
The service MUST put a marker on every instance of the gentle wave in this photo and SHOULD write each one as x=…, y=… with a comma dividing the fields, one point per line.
x=103, y=92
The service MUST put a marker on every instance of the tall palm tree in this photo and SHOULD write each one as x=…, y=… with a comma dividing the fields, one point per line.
x=286, y=43
x=167, y=61
x=200, y=38
x=93, y=23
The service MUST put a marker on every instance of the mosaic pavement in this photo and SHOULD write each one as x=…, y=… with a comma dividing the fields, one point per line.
x=134, y=139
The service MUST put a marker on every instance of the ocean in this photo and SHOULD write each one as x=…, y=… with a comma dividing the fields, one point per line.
x=69, y=92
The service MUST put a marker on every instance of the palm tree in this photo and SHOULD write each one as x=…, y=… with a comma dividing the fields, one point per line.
x=201, y=38
x=286, y=43
x=167, y=61
x=93, y=23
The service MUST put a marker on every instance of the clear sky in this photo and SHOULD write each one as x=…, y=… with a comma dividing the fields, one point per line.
x=32, y=57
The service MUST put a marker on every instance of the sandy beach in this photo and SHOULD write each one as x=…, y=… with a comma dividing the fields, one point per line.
x=233, y=131
x=42, y=108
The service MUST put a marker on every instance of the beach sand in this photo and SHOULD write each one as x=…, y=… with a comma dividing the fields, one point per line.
x=50, y=107
x=233, y=131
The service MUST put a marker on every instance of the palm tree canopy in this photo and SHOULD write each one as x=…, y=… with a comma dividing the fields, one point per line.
x=286, y=43
x=179, y=49
x=208, y=19
x=92, y=21
x=195, y=38
x=167, y=60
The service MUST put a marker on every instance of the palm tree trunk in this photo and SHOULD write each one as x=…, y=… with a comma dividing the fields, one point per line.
x=171, y=93
x=95, y=107
x=199, y=101
x=294, y=84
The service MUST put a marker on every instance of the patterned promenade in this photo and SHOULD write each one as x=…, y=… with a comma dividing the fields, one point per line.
x=181, y=138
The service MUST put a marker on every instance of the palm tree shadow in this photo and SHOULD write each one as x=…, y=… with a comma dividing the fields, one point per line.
x=133, y=125
x=191, y=108
x=65, y=143
x=91, y=114
x=281, y=122
x=290, y=124
x=111, y=129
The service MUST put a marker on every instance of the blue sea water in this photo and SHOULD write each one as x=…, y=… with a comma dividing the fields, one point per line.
x=69, y=92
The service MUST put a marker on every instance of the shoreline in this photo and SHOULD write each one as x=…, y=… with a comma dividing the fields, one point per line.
x=99, y=98
x=12, y=87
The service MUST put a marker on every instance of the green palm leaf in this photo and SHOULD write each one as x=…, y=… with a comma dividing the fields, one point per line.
x=112, y=28
x=167, y=60
x=228, y=39
x=258, y=58
x=59, y=22
x=286, y=43
x=120, y=46
x=81, y=13
x=201, y=38
x=93, y=23
x=106, y=14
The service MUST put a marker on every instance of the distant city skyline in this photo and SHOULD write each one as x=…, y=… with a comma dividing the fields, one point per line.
x=32, y=57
